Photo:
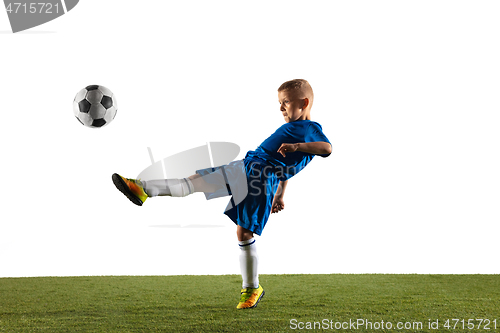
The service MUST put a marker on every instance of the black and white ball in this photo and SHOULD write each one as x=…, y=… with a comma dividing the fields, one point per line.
x=95, y=106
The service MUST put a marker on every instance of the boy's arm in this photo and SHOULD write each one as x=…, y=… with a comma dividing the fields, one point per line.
x=316, y=148
x=278, y=202
x=281, y=188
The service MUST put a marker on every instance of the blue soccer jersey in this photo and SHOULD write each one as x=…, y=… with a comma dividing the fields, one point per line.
x=294, y=132
x=253, y=182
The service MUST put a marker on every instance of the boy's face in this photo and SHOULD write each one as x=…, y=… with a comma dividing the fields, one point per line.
x=292, y=106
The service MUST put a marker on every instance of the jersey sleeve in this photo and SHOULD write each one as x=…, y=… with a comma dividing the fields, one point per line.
x=315, y=133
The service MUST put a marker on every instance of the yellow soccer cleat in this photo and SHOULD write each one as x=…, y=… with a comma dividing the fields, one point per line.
x=131, y=188
x=250, y=297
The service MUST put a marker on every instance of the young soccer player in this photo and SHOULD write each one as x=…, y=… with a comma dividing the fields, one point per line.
x=266, y=172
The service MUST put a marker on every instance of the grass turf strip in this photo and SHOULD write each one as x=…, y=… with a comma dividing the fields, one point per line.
x=207, y=303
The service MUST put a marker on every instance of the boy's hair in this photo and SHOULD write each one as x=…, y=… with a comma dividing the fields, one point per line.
x=297, y=84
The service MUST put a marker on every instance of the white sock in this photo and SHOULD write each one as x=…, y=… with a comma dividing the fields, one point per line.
x=248, y=263
x=171, y=187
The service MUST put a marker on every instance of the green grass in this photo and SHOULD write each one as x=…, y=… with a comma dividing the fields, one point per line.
x=207, y=303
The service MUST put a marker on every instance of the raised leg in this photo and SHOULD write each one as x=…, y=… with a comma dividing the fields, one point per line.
x=200, y=185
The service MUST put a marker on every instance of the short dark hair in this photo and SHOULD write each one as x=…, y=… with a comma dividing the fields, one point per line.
x=294, y=85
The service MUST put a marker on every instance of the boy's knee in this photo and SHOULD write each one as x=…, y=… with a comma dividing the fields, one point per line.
x=243, y=234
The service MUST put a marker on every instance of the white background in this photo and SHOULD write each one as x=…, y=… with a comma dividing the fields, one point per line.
x=407, y=92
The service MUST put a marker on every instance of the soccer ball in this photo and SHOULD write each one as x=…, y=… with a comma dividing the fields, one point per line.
x=95, y=106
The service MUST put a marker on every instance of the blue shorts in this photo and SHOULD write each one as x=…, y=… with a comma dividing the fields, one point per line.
x=251, y=184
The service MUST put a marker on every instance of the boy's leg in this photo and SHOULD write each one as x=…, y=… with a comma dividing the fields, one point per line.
x=178, y=187
x=243, y=234
x=252, y=292
x=138, y=191
x=200, y=185
x=248, y=258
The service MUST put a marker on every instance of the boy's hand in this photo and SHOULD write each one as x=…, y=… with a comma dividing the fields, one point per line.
x=288, y=148
x=278, y=204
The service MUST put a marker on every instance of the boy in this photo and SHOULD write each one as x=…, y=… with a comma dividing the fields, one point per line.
x=266, y=172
